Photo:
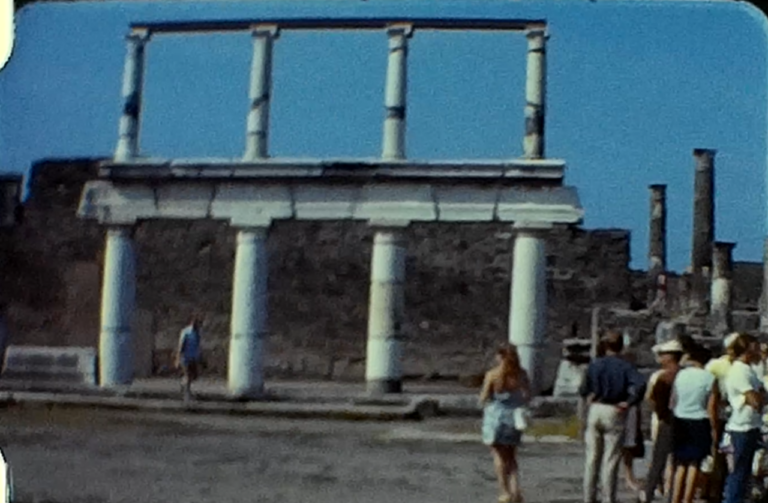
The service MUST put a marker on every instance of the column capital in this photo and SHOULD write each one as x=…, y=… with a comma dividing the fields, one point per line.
x=533, y=226
x=404, y=29
x=537, y=34
x=126, y=230
x=265, y=30
x=389, y=224
x=249, y=232
x=139, y=35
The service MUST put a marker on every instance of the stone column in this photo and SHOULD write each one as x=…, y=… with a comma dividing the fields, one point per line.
x=248, y=327
x=257, y=133
x=393, y=144
x=535, y=95
x=117, y=304
x=703, y=225
x=383, y=372
x=528, y=302
x=721, y=316
x=657, y=239
x=133, y=78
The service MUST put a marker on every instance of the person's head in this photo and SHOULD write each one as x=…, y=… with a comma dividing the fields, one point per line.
x=508, y=358
x=687, y=341
x=195, y=321
x=699, y=355
x=613, y=342
x=668, y=353
x=746, y=348
x=728, y=344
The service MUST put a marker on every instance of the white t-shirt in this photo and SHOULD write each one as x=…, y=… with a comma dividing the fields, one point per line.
x=690, y=393
x=740, y=379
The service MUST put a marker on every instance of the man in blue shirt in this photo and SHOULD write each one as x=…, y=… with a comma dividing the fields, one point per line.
x=188, y=355
x=611, y=385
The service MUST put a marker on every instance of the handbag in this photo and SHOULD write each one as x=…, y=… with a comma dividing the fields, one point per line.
x=522, y=418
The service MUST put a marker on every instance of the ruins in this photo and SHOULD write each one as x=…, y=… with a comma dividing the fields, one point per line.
x=463, y=254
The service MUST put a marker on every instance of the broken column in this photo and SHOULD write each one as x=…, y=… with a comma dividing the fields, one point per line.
x=703, y=225
x=133, y=78
x=528, y=296
x=657, y=243
x=248, y=327
x=535, y=94
x=257, y=133
x=721, y=316
x=117, y=304
x=393, y=144
x=383, y=373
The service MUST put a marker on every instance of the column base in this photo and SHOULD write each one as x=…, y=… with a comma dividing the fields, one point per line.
x=384, y=386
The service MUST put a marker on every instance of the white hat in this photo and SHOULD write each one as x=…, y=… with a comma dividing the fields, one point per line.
x=730, y=339
x=672, y=346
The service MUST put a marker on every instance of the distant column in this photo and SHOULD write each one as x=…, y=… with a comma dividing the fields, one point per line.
x=117, y=304
x=393, y=144
x=657, y=239
x=721, y=315
x=249, y=314
x=703, y=224
x=257, y=134
x=535, y=95
x=133, y=78
x=383, y=372
x=528, y=302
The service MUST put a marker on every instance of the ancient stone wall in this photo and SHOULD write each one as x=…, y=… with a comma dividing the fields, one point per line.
x=457, y=292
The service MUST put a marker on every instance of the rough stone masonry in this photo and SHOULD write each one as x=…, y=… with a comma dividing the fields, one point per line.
x=456, y=293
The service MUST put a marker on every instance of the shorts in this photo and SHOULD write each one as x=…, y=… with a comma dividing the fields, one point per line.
x=190, y=369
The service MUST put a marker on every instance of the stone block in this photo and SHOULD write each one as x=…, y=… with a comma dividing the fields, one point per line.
x=60, y=365
x=569, y=378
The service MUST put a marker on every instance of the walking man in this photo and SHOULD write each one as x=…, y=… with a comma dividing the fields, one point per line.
x=668, y=355
x=611, y=386
x=188, y=356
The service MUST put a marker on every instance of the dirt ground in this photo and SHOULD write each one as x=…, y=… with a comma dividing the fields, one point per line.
x=97, y=456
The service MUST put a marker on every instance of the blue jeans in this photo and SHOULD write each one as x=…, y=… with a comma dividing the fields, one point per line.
x=744, y=447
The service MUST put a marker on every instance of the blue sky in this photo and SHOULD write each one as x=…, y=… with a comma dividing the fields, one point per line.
x=633, y=88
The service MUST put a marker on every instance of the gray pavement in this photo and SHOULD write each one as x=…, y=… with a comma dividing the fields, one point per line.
x=102, y=456
x=316, y=399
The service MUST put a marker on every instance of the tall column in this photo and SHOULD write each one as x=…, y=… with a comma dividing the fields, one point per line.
x=393, y=144
x=383, y=373
x=249, y=314
x=703, y=224
x=535, y=95
x=257, y=133
x=528, y=303
x=657, y=238
x=721, y=316
x=133, y=79
x=117, y=305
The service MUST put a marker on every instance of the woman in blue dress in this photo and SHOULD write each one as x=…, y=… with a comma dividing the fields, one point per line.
x=505, y=389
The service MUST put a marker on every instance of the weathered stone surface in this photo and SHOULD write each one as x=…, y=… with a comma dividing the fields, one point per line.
x=457, y=287
x=569, y=377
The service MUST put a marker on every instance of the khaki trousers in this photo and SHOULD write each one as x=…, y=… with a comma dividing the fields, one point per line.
x=604, y=439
